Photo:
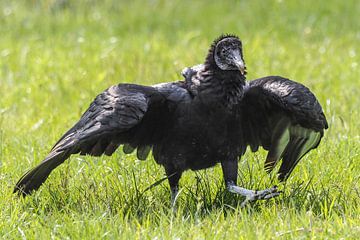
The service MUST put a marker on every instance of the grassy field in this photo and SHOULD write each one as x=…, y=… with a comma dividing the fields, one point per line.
x=56, y=56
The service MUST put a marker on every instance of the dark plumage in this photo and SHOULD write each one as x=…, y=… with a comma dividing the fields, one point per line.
x=209, y=118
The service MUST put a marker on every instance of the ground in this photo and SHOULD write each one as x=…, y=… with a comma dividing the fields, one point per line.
x=56, y=56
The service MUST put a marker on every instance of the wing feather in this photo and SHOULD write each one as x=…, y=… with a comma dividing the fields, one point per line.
x=108, y=122
x=285, y=118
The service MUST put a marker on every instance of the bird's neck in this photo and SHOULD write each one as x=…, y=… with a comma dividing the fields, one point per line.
x=225, y=87
x=233, y=86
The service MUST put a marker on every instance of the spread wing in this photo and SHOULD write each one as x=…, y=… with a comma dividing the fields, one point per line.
x=285, y=118
x=123, y=114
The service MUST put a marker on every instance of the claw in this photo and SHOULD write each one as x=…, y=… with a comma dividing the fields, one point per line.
x=251, y=195
x=256, y=195
x=271, y=195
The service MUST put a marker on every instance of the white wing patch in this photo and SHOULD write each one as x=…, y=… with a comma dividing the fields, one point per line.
x=283, y=142
x=312, y=137
x=313, y=140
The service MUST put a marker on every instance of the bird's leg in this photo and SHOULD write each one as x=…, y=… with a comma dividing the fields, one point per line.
x=174, y=193
x=173, y=178
x=230, y=169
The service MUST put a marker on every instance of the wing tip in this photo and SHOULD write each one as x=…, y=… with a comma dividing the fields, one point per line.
x=22, y=187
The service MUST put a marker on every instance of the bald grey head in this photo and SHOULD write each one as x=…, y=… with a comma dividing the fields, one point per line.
x=228, y=54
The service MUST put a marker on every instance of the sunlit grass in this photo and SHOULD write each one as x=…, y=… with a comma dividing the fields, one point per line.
x=56, y=56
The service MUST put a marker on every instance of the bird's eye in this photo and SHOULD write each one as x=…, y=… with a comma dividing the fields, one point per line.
x=223, y=51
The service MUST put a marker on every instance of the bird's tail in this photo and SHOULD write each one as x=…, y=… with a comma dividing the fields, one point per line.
x=33, y=179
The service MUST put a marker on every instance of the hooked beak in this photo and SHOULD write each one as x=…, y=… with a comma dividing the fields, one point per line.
x=240, y=65
x=238, y=62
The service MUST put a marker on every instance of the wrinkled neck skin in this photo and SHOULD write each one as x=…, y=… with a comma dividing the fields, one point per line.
x=221, y=87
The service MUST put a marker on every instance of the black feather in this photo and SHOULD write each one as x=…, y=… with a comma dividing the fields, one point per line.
x=210, y=117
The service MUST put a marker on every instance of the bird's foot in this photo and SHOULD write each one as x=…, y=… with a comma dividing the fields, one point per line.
x=261, y=195
x=251, y=195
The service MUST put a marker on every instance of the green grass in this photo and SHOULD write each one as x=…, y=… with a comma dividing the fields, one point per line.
x=56, y=56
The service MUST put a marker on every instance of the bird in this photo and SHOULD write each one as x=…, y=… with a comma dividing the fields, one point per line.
x=210, y=117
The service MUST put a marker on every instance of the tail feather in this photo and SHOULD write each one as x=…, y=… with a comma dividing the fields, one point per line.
x=35, y=177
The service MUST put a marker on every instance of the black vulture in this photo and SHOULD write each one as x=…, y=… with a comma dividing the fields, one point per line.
x=210, y=117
